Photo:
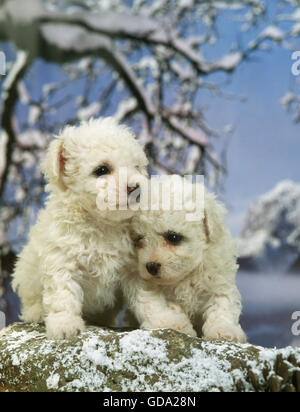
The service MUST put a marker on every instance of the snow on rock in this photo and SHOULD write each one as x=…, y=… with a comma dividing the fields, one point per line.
x=270, y=240
x=101, y=359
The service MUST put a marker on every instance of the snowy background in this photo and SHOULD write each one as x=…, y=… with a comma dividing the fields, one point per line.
x=268, y=302
x=207, y=87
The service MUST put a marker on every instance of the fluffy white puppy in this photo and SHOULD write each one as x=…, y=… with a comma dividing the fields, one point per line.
x=187, y=268
x=71, y=266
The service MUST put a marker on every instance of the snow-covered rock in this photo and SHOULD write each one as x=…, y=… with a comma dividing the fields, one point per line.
x=160, y=360
x=270, y=240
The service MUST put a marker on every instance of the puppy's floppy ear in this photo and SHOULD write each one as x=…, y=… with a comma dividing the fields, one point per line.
x=214, y=218
x=54, y=163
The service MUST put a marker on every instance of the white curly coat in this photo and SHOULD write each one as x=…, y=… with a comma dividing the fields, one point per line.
x=71, y=267
x=195, y=289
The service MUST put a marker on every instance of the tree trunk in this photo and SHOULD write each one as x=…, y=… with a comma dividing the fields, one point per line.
x=7, y=261
x=161, y=360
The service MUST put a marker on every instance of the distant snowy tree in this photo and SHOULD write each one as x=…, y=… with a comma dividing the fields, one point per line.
x=144, y=61
x=270, y=240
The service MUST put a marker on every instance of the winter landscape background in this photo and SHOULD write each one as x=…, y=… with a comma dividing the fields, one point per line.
x=207, y=87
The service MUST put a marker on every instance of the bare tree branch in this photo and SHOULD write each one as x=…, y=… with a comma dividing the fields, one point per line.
x=9, y=99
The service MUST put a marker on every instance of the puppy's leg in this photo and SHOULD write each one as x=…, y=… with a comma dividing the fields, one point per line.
x=27, y=283
x=222, y=317
x=63, y=300
x=63, y=325
x=153, y=311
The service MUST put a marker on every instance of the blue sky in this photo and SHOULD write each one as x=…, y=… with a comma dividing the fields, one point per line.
x=265, y=147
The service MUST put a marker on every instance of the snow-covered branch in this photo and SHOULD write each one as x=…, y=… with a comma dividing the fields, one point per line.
x=167, y=38
x=9, y=99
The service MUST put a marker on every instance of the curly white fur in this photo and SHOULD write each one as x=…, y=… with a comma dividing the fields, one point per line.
x=70, y=268
x=195, y=286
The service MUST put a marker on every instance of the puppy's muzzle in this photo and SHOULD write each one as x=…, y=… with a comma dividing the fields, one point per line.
x=153, y=268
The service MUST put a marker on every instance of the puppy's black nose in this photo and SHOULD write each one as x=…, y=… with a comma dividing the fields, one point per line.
x=131, y=189
x=153, y=268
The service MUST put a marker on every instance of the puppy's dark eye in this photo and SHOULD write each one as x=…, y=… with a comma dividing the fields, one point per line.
x=173, y=238
x=138, y=241
x=102, y=170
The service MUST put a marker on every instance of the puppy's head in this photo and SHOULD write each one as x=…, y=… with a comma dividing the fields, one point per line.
x=85, y=158
x=170, y=247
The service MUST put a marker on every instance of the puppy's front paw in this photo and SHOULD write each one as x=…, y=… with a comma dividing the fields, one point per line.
x=183, y=327
x=224, y=331
x=188, y=330
x=62, y=325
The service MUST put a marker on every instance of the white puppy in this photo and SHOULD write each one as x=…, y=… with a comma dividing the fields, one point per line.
x=71, y=266
x=187, y=268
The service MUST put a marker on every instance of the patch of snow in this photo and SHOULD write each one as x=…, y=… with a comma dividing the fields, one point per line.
x=92, y=110
x=229, y=61
x=287, y=99
x=72, y=38
x=149, y=62
x=125, y=106
x=295, y=30
x=34, y=114
x=23, y=93
x=185, y=3
x=273, y=33
x=53, y=381
x=19, y=64
x=32, y=138
x=49, y=88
